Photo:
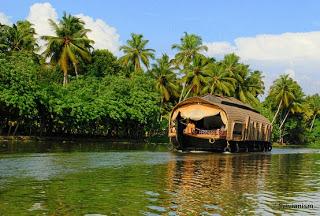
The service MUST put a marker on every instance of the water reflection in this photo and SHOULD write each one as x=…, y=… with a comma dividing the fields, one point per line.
x=159, y=183
x=211, y=184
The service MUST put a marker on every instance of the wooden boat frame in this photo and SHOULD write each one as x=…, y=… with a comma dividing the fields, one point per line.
x=246, y=129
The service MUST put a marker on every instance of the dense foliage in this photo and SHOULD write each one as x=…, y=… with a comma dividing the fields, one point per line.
x=129, y=96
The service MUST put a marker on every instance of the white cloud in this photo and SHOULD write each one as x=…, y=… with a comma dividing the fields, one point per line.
x=39, y=15
x=105, y=36
x=4, y=19
x=219, y=48
x=297, y=54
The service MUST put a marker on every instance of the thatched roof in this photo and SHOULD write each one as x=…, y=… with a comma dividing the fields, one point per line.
x=235, y=109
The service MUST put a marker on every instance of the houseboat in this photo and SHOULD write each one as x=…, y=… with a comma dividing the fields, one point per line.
x=216, y=123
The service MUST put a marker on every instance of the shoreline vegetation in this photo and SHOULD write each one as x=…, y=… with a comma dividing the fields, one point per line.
x=66, y=139
x=66, y=88
x=152, y=140
x=158, y=140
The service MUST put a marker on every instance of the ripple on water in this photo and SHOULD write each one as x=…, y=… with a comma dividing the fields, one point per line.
x=150, y=214
x=152, y=199
x=151, y=193
x=161, y=183
x=209, y=214
x=212, y=206
x=36, y=207
x=94, y=215
x=157, y=208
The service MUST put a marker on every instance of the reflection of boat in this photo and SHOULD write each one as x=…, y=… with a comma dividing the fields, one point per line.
x=217, y=184
x=214, y=123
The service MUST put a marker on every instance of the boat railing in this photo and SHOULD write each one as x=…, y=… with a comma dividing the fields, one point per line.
x=217, y=132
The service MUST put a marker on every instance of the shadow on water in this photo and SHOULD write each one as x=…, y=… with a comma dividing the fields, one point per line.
x=156, y=182
x=14, y=147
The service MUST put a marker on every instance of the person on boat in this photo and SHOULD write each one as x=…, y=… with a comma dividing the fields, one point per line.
x=191, y=127
x=173, y=129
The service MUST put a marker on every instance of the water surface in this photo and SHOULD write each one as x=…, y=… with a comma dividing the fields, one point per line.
x=141, y=179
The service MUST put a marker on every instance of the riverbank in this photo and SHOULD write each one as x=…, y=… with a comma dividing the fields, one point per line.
x=66, y=139
x=156, y=139
x=315, y=145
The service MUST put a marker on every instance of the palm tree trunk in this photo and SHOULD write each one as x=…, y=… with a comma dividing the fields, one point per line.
x=75, y=69
x=187, y=94
x=9, y=131
x=16, y=129
x=285, y=118
x=65, y=81
x=184, y=86
x=280, y=137
x=212, y=87
x=275, y=116
x=312, y=123
x=161, y=103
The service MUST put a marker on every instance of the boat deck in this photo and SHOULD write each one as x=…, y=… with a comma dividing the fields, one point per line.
x=207, y=134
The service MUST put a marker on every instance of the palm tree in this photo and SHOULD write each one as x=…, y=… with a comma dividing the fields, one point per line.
x=18, y=37
x=231, y=65
x=4, y=29
x=294, y=107
x=219, y=82
x=282, y=93
x=256, y=83
x=248, y=85
x=166, y=80
x=136, y=53
x=313, y=108
x=190, y=46
x=195, y=75
x=69, y=45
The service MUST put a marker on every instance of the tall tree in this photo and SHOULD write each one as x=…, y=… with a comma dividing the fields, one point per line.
x=219, y=81
x=249, y=85
x=293, y=108
x=231, y=65
x=18, y=37
x=166, y=80
x=190, y=46
x=195, y=75
x=136, y=53
x=69, y=45
x=103, y=63
x=312, y=109
x=281, y=93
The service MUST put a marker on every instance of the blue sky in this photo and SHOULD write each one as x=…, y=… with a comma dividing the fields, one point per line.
x=163, y=22
x=249, y=28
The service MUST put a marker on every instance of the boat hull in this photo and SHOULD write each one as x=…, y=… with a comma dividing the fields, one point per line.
x=189, y=143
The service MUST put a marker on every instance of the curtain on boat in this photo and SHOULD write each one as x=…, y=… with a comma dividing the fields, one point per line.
x=197, y=112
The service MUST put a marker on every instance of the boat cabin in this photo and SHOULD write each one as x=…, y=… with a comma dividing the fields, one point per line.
x=215, y=119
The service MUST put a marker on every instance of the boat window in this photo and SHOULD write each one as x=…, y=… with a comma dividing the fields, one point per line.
x=237, y=128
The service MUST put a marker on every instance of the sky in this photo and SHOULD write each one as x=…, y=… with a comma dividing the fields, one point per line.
x=275, y=37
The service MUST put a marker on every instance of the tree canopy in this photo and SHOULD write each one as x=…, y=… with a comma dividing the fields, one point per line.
x=130, y=95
